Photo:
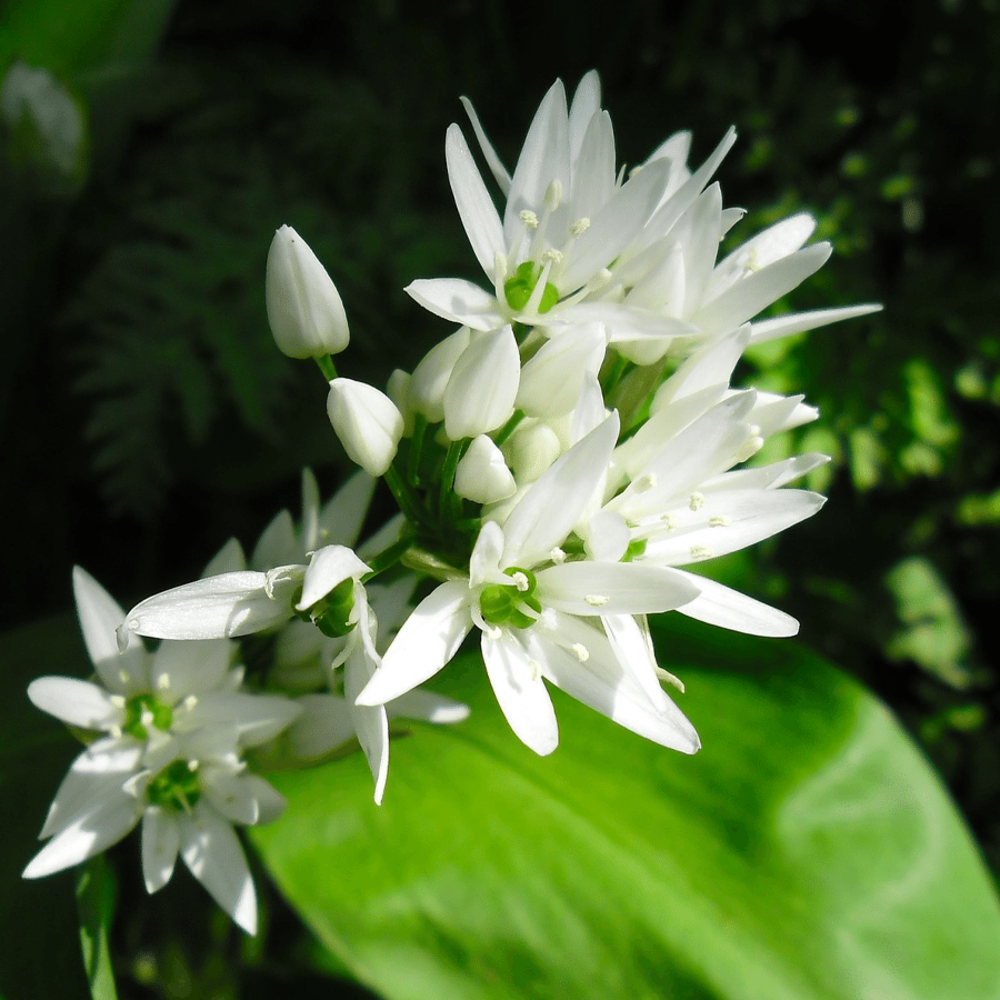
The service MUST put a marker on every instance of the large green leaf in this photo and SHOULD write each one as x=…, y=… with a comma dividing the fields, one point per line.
x=807, y=852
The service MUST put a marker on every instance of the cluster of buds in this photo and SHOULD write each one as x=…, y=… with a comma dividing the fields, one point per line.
x=560, y=461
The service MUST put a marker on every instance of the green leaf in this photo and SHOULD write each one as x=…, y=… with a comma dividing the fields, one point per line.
x=807, y=852
x=95, y=899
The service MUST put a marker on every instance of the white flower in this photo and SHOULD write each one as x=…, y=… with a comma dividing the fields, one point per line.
x=482, y=474
x=536, y=611
x=303, y=305
x=367, y=422
x=576, y=245
x=177, y=725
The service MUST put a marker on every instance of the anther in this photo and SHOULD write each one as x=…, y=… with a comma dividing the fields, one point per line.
x=582, y=653
x=701, y=552
x=578, y=228
x=555, y=256
x=669, y=521
x=719, y=521
x=749, y=448
x=697, y=501
x=596, y=600
x=529, y=219
x=536, y=669
x=557, y=556
x=553, y=195
x=520, y=581
x=163, y=682
x=645, y=482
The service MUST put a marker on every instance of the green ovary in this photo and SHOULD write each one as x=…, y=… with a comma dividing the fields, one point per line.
x=175, y=788
x=145, y=705
x=518, y=289
x=332, y=614
x=503, y=603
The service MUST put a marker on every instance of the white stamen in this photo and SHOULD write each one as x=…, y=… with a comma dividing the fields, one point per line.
x=163, y=682
x=493, y=632
x=529, y=219
x=118, y=700
x=702, y=552
x=582, y=653
x=520, y=581
x=125, y=677
x=553, y=255
x=536, y=669
x=697, y=501
x=579, y=228
x=669, y=521
x=634, y=171
x=666, y=675
x=557, y=556
x=719, y=521
x=596, y=600
x=189, y=702
x=645, y=482
x=553, y=195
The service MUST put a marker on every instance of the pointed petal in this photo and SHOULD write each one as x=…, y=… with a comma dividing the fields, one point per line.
x=549, y=510
x=589, y=588
x=500, y=173
x=728, y=608
x=458, y=300
x=182, y=667
x=600, y=681
x=429, y=638
x=760, y=289
x=212, y=852
x=633, y=646
x=478, y=213
x=223, y=606
x=370, y=722
x=257, y=717
x=328, y=567
x=161, y=839
x=520, y=690
x=341, y=519
x=325, y=723
x=78, y=703
x=784, y=326
x=585, y=104
x=229, y=559
x=278, y=544
x=429, y=706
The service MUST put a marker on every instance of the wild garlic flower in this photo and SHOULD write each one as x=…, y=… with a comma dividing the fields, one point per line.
x=579, y=242
x=536, y=609
x=175, y=726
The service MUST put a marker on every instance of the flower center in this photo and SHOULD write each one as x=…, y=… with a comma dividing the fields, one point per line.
x=505, y=603
x=143, y=711
x=519, y=287
x=175, y=788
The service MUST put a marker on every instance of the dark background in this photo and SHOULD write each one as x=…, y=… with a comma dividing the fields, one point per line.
x=147, y=416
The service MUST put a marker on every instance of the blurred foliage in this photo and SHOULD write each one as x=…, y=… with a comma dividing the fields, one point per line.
x=149, y=419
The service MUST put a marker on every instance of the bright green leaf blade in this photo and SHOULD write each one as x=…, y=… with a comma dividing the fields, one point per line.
x=807, y=852
x=95, y=900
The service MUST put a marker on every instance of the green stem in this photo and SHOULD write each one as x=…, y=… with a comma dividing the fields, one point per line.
x=508, y=428
x=408, y=501
x=326, y=366
x=449, y=501
x=416, y=448
x=612, y=377
x=389, y=558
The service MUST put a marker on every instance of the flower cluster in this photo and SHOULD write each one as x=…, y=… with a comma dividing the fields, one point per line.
x=560, y=461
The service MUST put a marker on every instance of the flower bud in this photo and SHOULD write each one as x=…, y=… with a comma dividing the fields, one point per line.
x=483, y=385
x=482, y=475
x=367, y=422
x=303, y=305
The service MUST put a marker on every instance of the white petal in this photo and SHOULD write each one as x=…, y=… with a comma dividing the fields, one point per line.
x=328, y=567
x=325, y=723
x=593, y=588
x=223, y=606
x=551, y=381
x=161, y=839
x=748, y=297
x=783, y=326
x=96, y=775
x=601, y=682
x=593, y=165
x=429, y=638
x=585, y=104
x=520, y=691
x=182, y=667
x=728, y=608
x=229, y=559
x=609, y=536
x=76, y=702
x=547, y=513
x=430, y=377
x=278, y=544
x=212, y=852
x=257, y=717
x=427, y=705
x=340, y=520
x=499, y=171
x=630, y=639
x=478, y=213
x=370, y=722
x=458, y=300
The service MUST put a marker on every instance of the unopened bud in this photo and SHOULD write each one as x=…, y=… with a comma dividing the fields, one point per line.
x=303, y=305
x=367, y=422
